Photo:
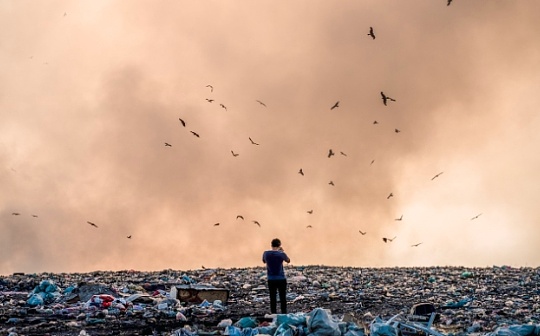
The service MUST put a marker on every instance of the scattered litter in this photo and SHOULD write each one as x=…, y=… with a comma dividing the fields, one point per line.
x=326, y=301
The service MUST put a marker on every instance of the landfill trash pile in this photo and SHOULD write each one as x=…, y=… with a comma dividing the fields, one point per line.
x=349, y=301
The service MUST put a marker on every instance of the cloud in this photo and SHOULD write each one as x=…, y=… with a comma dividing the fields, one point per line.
x=86, y=119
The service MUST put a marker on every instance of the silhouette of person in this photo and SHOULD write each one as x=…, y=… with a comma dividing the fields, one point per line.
x=277, y=282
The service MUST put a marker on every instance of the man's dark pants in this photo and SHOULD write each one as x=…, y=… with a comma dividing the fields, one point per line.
x=276, y=286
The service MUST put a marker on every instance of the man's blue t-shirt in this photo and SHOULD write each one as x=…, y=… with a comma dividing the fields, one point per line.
x=274, y=264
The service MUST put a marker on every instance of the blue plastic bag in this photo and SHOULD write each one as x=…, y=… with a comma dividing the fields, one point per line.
x=246, y=322
x=35, y=300
x=320, y=323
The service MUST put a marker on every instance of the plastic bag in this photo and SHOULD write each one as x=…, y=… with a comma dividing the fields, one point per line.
x=320, y=323
x=246, y=322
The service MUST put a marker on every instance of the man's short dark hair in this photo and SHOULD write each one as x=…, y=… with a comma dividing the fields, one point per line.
x=276, y=242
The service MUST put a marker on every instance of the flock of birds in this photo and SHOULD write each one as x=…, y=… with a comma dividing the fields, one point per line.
x=386, y=99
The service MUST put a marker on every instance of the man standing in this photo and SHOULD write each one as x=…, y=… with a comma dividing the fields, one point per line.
x=277, y=282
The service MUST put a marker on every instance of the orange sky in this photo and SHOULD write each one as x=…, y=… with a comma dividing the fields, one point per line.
x=90, y=91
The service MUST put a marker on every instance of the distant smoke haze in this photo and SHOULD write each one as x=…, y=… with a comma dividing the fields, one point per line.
x=91, y=91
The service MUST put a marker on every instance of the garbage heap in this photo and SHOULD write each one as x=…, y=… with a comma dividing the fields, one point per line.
x=499, y=300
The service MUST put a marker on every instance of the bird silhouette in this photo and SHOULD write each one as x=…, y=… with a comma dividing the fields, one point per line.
x=301, y=172
x=362, y=233
x=217, y=224
x=260, y=102
x=342, y=153
x=209, y=100
x=371, y=33
x=182, y=121
x=128, y=237
x=223, y=106
x=195, y=134
x=416, y=245
x=168, y=144
x=309, y=227
x=390, y=195
x=240, y=217
x=310, y=212
x=35, y=216
x=375, y=122
x=93, y=224
x=15, y=214
x=234, y=154
x=397, y=131
x=475, y=217
x=448, y=2
x=372, y=161
x=434, y=177
x=331, y=183
x=388, y=239
x=255, y=222
x=385, y=98
x=211, y=87
x=253, y=142
x=330, y=152
x=400, y=218
x=335, y=105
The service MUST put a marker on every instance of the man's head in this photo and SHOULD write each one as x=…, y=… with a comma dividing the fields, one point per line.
x=276, y=242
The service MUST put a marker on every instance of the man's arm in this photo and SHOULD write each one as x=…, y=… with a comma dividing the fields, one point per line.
x=286, y=258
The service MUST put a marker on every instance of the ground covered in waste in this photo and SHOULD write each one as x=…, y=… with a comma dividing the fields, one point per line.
x=468, y=300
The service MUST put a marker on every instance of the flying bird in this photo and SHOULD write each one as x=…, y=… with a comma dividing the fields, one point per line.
x=301, y=172
x=415, y=245
x=397, y=131
x=342, y=153
x=209, y=100
x=375, y=122
x=240, y=217
x=15, y=213
x=217, y=224
x=335, y=105
x=390, y=195
x=388, y=239
x=223, y=106
x=434, y=177
x=234, y=154
x=253, y=142
x=371, y=33
x=385, y=98
x=182, y=121
x=309, y=227
x=310, y=212
x=330, y=152
x=260, y=102
x=331, y=183
x=255, y=222
x=128, y=237
x=195, y=134
x=448, y=2
x=211, y=87
x=372, y=162
x=400, y=218
x=35, y=216
x=93, y=224
x=168, y=144
x=362, y=233
x=475, y=217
